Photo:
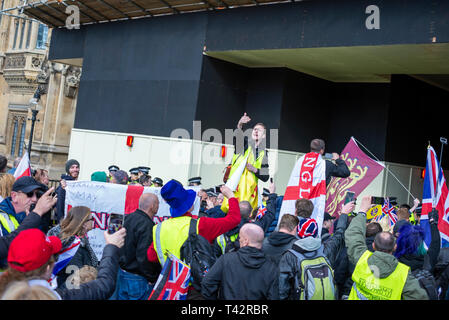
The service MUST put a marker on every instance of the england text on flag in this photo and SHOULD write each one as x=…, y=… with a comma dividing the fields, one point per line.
x=307, y=181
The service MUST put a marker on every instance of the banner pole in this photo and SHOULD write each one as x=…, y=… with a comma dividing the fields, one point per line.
x=386, y=167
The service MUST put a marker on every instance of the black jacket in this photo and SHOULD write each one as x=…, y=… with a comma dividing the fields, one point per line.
x=101, y=288
x=276, y=244
x=243, y=275
x=338, y=169
x=32, y=220
x=133, y=255
x=59, y=214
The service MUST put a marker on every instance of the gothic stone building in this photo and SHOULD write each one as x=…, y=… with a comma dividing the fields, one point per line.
x=23, y=68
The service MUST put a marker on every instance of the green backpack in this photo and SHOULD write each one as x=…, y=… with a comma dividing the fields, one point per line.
x=315, y=279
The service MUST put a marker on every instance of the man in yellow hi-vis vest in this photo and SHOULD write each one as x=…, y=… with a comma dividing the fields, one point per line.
x=253, y=156
x=378, y=275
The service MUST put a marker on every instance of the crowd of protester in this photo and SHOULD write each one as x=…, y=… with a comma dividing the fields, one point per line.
x=254, y=256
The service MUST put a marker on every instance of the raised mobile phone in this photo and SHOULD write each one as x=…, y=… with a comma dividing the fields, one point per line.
x=350, y=196
x=115, y=222
x=377, y=200
x=327, y=156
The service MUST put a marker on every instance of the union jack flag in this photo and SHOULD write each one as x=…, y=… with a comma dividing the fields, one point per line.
x=261, y=212
x=388, y=210
x=435, y=195
x=173, y=282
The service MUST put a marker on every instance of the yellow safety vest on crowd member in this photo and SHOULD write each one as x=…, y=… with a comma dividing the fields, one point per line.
x=8, y=222
x=247, y=187
x=221, y=241
x=170, y=235
x=368, y=287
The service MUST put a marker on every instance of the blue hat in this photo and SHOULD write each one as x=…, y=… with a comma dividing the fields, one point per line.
x=179, y=199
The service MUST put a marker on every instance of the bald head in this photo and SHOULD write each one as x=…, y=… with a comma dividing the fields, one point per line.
x=384, y=242
x=149, y=203
x=251, y=235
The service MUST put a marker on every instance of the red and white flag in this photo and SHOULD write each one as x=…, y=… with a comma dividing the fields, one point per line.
x=24, y=168
x=105, y=198
x=307, y=181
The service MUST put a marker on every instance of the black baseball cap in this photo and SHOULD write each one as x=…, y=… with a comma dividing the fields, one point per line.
x=25, y=184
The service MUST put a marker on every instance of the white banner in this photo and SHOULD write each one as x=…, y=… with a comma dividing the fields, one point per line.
x=106, y=198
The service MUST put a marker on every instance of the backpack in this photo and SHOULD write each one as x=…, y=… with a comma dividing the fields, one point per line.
x=315, y=277
x=198, y=254
x=427, y=282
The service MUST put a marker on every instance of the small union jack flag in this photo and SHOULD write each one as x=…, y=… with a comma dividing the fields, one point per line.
x=388, y=210
x=261, y=212
x=173, y=282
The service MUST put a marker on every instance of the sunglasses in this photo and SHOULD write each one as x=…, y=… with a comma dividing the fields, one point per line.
x=29, y=194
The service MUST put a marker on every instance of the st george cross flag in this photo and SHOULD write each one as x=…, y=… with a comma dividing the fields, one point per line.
x=307, y=181
x=23, y=169
x=173, y=281
x=435, y=194
x=106, y=198
x=388, y=212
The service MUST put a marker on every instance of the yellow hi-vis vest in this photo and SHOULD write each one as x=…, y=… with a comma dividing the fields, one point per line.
x=8, y=222
x=170, y=235
x=221, y=241
x=247, y=187
x=368, y=287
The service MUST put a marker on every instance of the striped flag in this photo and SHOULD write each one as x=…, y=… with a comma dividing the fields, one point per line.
x=23, y=169
x=388, y=210
x=307, y=181
x=64, y=258
x=173, y=281
x=435, y=195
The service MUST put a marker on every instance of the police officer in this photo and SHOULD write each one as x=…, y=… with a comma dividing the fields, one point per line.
x=113, y=168
x=195, y=181
x=158, y=182
x=143, y=171
x=134, y=176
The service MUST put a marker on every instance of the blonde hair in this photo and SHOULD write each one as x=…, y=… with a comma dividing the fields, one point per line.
x=85, y=274
x=73, y=223
x=12, y=275
x=6, y=182
x=21, y=290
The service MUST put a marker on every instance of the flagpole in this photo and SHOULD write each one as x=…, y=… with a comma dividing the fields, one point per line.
x=443, y=142
x=388, y=170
